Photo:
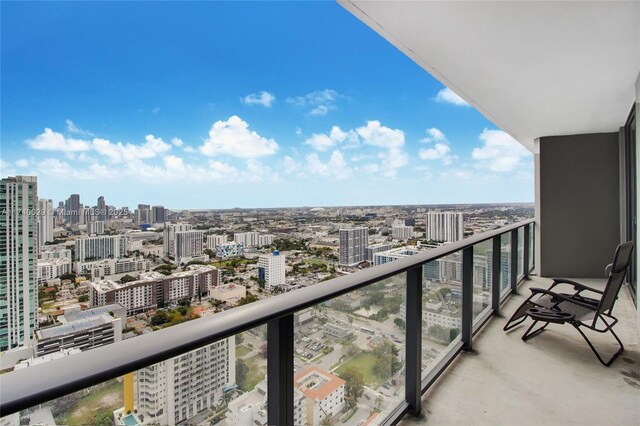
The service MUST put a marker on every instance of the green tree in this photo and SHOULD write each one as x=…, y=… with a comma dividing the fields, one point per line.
x=103, y=419
x=378, y=403
x=241, y=373
x=159, y=318
x=127, y=278
x=249, y=298
x=354, y=386
x=400, y=323
x=83, y=298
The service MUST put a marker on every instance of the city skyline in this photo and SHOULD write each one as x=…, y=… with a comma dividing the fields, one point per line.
x=269, y=120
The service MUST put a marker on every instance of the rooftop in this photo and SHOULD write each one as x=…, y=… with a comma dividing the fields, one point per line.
x=316, y=383
x=553, y=379
x=73, y=326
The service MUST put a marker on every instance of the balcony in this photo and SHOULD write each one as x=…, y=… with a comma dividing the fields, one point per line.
x=550, y=380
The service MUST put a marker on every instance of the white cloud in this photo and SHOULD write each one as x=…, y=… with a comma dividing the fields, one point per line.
x=320, y=102
x=499, y=152
x=54, y=141
x=440, y=150
x=233, y=137
x=447, y=95
x=177, y=142
x=219, y=169
x=73, y=128
x=319, y=110
x=393, y=160
x=22, y=163
x=322, y=141
x=335, y=168
x=433, y=135
x=119, y=152
x=6, y=169
x=375, y=134
x=263, y=98
x=290, y=166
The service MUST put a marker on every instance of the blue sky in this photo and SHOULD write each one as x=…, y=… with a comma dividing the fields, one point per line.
x=218, y=105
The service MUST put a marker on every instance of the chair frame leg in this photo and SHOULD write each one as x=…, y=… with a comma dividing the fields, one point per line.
x=530, y=334
x=597, y=354
x=520, y=315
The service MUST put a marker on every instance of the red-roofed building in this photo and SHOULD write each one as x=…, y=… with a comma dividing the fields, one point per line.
x=323, y=391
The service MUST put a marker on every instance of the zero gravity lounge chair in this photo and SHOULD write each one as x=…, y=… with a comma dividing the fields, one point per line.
x=594, y=313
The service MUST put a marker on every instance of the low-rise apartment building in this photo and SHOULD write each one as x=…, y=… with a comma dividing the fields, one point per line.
x=155, y=290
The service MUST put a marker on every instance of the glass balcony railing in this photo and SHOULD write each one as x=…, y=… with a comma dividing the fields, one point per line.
x=358, y=349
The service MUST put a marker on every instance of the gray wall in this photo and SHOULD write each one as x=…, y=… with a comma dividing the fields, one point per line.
x=579, y=200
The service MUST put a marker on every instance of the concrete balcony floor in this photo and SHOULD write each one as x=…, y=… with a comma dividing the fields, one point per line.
x=553, y=379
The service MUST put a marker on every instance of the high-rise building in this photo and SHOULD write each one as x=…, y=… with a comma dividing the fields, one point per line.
x=45, y=222
x=95, y=228
x=177, y=389
x=444, y=226
x=18, y=239
x=271, y=270
x=100, y=247
x=265, y=240
x=353, y=243
x=73, y=209
x=169, y=237
x=188, y=244
x=247, y=239
x=142, y=215
x=214, y=241
x=49, y=269
x=158, y=214
x=87, y=215
x=402, y=232
x=101, y=208
x=376, y=248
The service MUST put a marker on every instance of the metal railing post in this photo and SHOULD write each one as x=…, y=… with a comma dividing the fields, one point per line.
x=467, y=297
x=496, y=263
x=280, y=371
x=525, y=251
x=514, y=261
x=532, y=235
x=413, y=342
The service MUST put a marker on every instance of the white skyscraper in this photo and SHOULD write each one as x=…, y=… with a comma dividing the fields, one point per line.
x=175, y=390
x=353, y=243
x=402, y=232
x=169, y=237
x=100, y=247
x=444, y=226
x=271, y=269
x=214, y=241
x=247, y=239
x=45, y=221
x=18, y=233
x=188, y=244
x=95, y=228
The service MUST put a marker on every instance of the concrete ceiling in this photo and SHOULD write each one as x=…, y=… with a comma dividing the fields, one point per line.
x=533, y=68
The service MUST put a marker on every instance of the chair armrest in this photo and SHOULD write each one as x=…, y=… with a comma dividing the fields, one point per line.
x=608, y=269
x=576, y=285
x=562, y=298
